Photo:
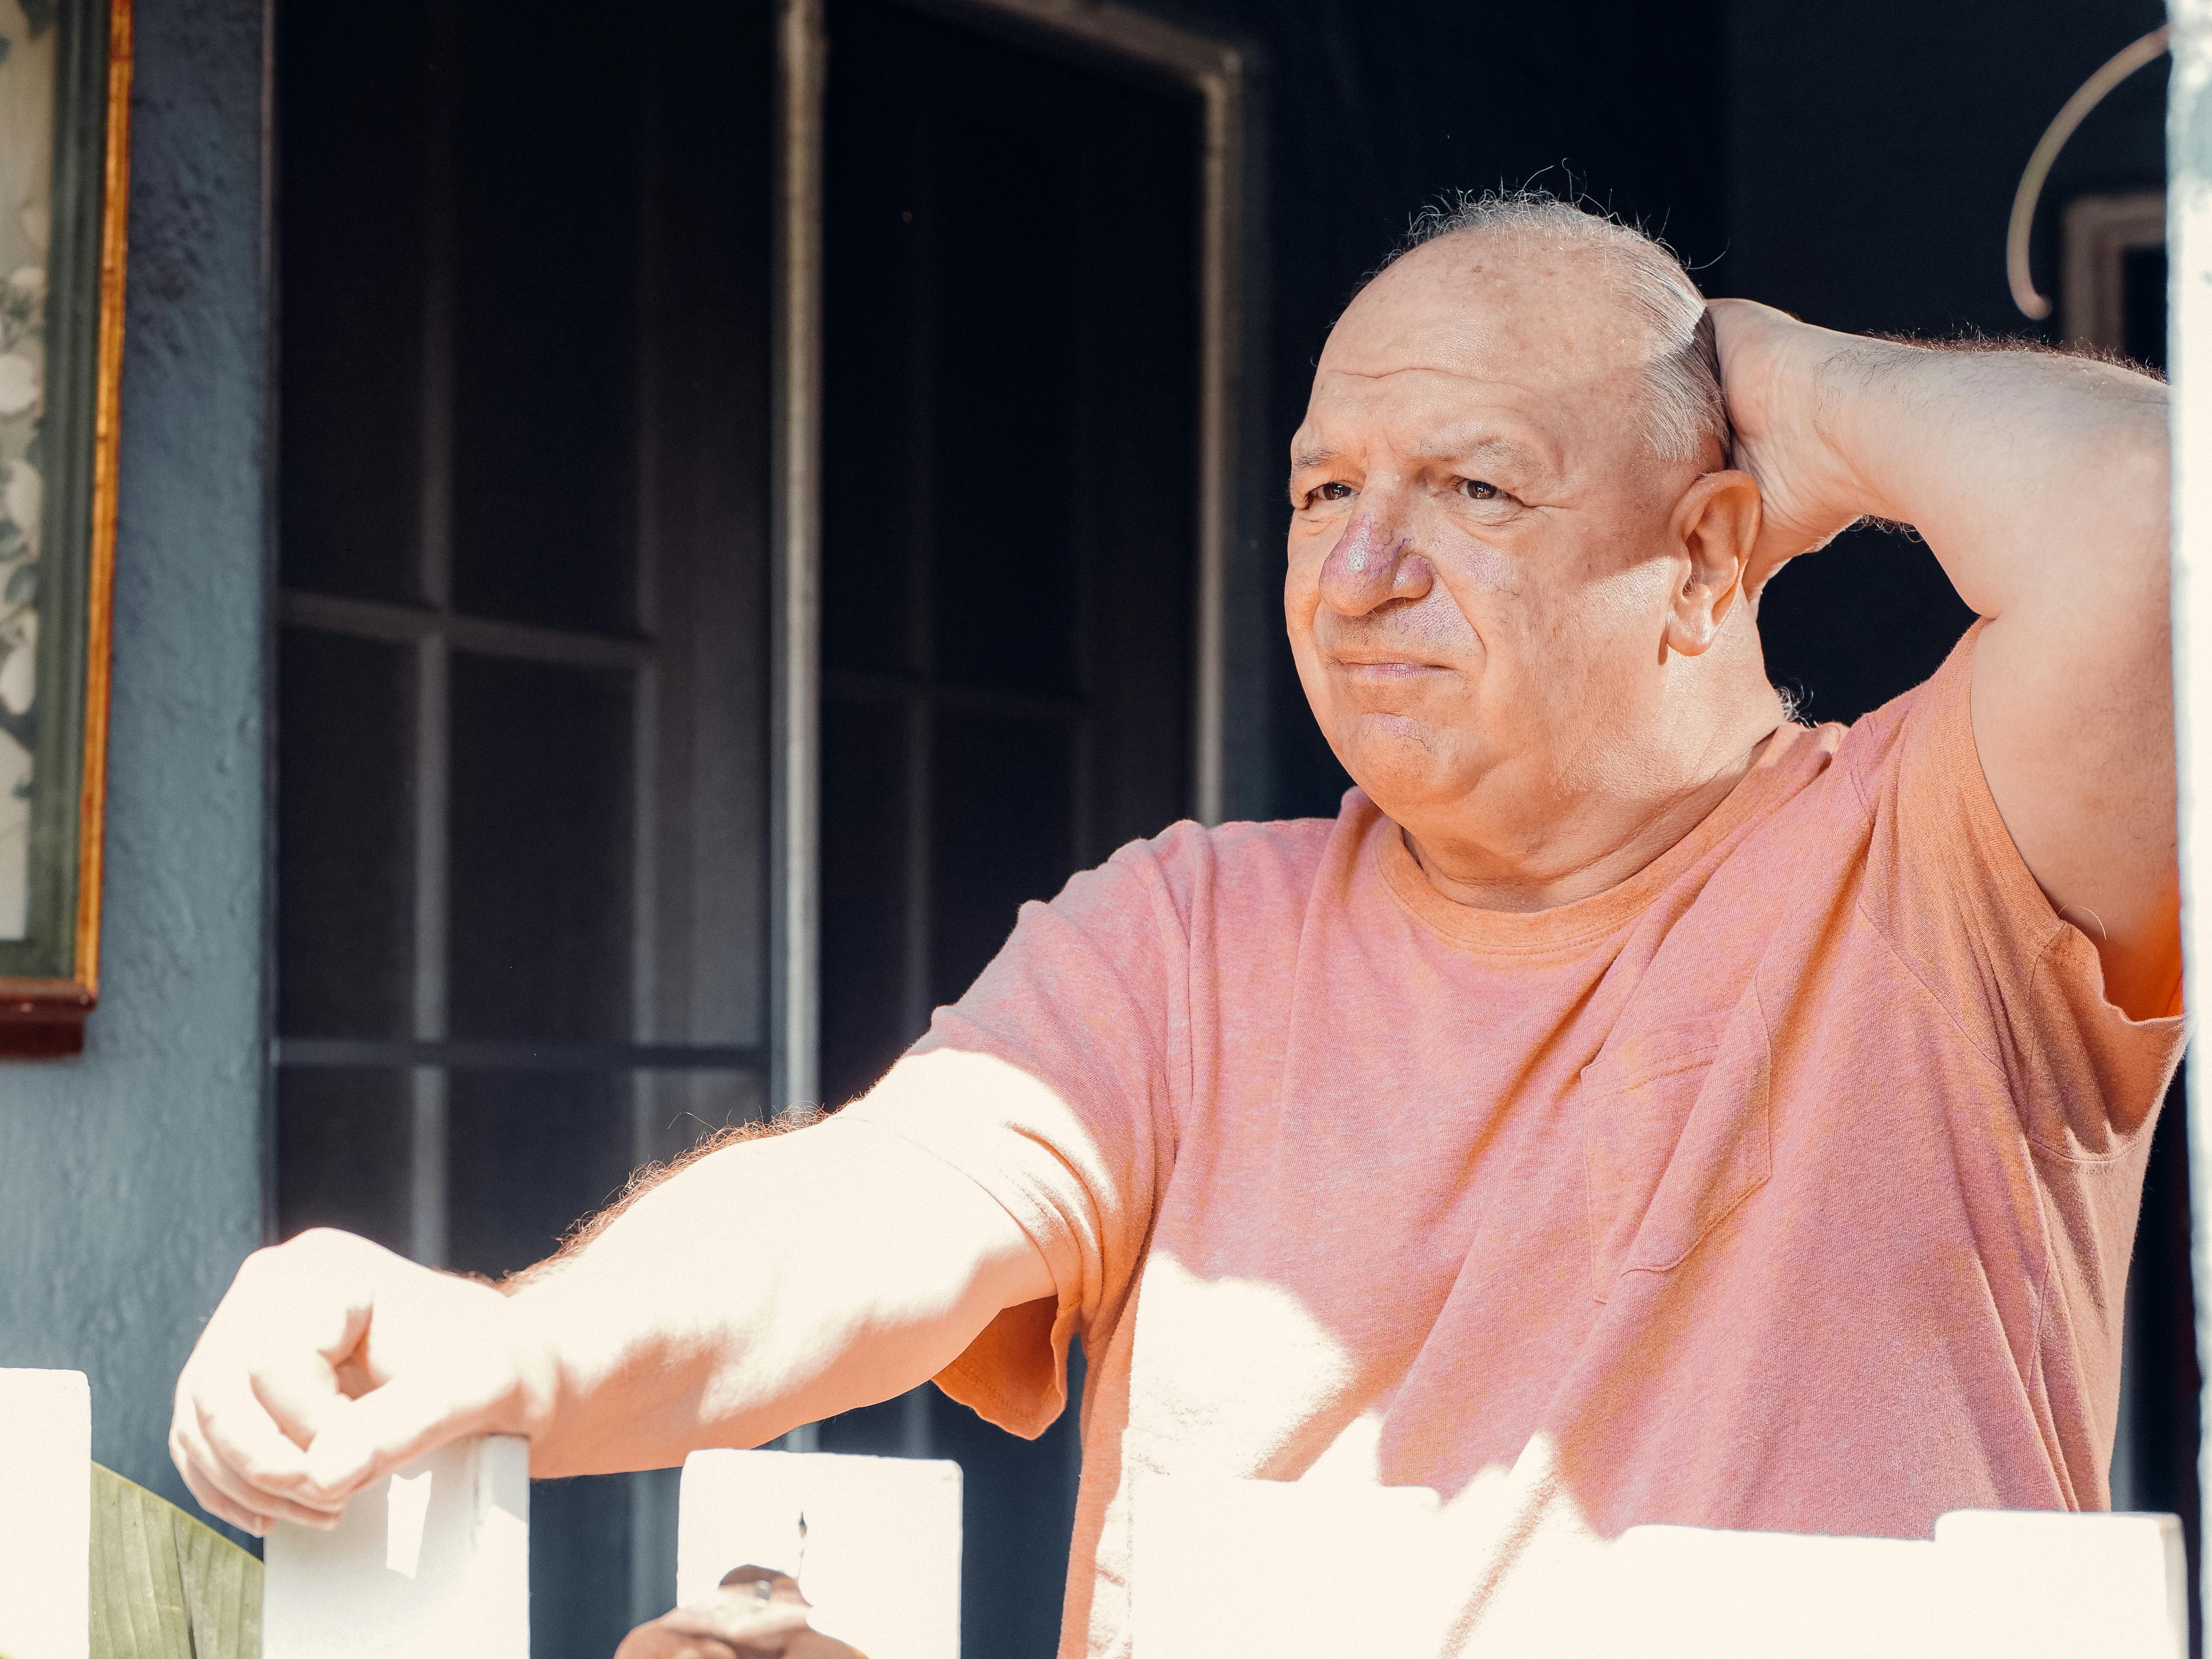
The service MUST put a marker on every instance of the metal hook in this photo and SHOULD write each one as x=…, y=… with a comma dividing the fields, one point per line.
x=2124, y=63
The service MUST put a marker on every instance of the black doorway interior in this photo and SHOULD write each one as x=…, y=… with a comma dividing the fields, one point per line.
x=522, y=724
x=1009, y=574
x=521, y=690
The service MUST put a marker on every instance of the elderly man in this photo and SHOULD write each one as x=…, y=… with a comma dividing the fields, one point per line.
x=1632, y=1107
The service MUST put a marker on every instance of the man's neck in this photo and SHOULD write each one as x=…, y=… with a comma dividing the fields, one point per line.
x=1579, y=847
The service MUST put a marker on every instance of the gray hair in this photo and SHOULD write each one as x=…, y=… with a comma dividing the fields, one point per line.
x=1682, y=375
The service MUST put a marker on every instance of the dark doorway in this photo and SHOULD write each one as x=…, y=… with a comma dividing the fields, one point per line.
x=520, y=932
x=1011, y=435
x=520, y=677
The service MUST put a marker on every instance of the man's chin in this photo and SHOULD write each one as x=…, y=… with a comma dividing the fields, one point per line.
x=1403, y=764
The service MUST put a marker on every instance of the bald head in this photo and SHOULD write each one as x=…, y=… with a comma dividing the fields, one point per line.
x=1515, y=547
x=1601, y=298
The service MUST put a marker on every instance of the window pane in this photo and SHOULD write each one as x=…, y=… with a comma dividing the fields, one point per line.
x=877, y=381
x=2143, y=305
x=529, y=1155
x=864, y=1006
x=353, y=86
x=1006, y=405
x=579, y=1564
x=345, y=844
x=541, y=850
x=1018, y=1500
x=876, y=1431
x=343, y=1147
x=546, y=323
x=1004, y=832
x=682, y=1107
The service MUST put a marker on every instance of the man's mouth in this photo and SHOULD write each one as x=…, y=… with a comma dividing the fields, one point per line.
x=1365, y=666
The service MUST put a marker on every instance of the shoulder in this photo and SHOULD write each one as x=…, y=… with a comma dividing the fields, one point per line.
x=1198, y=878
x=1932, y=717
x=1130, y=944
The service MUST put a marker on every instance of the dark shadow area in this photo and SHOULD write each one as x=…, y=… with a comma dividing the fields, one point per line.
x=1010, y=337
x=2160, y=1384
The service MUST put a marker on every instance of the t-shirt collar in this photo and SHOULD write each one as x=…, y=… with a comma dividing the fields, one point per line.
x=1788, y=760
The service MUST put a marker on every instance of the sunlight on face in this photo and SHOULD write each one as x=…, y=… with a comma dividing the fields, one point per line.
x=1480, y=562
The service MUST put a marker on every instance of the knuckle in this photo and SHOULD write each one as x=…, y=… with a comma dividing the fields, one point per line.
x=318, y=1242
x=269, y=1259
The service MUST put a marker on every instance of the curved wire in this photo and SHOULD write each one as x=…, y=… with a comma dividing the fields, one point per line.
x=2123, y=63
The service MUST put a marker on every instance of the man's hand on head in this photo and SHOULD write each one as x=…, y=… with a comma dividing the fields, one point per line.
x=329, y=1363
x=1773, y=378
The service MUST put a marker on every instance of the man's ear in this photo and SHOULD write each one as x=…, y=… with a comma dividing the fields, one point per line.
x=1716, y=524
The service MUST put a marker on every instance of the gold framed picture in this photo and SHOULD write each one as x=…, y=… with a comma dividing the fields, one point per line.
x=64, y=164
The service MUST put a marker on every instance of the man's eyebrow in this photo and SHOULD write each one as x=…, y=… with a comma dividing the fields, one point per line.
x=1443, y=446
x=1467, y=446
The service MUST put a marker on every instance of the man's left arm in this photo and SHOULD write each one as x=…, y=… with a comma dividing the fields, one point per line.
x=2040, y=481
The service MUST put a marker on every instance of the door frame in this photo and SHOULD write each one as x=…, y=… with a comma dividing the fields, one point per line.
x=1219, y=73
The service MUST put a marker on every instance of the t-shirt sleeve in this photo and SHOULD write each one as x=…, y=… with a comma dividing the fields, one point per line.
x=1950, y=889
x=1087, y=999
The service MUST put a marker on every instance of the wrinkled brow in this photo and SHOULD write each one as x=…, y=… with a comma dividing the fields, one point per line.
x=1468, y=447
x=1457, y=446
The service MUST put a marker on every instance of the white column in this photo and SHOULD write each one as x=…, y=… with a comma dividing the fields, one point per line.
x=874, y=1542
x=45, y=1515
x=431, y=1563
x=2188, y=357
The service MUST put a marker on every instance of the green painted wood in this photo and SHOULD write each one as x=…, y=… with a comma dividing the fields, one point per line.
x=163, y=1585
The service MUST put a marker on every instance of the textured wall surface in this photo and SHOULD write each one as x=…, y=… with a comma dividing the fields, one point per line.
x=130, y=1179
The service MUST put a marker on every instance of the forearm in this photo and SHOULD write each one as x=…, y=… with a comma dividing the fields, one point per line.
x=768, y=1284
x=2037, y=479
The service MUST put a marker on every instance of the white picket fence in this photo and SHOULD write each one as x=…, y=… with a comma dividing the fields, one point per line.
x=434, y=1562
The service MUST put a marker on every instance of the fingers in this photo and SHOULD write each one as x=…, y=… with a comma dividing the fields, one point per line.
x=300, y=1391
x=236, y=1462
x=221, y=1492
x=241, y=1459
x=265, y=1428
x=192, y=1463
x=362, y=1440
x=257, y=1455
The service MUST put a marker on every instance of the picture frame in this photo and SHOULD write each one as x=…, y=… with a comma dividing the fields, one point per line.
x=64, y=169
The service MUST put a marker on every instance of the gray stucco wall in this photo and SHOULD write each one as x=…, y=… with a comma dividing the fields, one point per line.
x=130, y=1179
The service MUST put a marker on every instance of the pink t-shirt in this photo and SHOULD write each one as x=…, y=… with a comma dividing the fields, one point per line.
x=1789, y=1184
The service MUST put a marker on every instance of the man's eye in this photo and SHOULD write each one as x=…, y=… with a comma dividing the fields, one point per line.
x=1334, y=490
x=1475, y=490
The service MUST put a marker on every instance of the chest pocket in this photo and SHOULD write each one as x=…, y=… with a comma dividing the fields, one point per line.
x=1680, y=1133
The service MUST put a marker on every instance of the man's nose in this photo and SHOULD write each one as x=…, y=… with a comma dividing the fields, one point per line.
x=1372, y=563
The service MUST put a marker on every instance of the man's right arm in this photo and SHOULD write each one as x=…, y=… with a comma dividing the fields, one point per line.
x=769, y=1283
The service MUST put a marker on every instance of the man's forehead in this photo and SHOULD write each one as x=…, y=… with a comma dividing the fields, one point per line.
x=1433, y=412
x=1533, y=421
x=1488, y=307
